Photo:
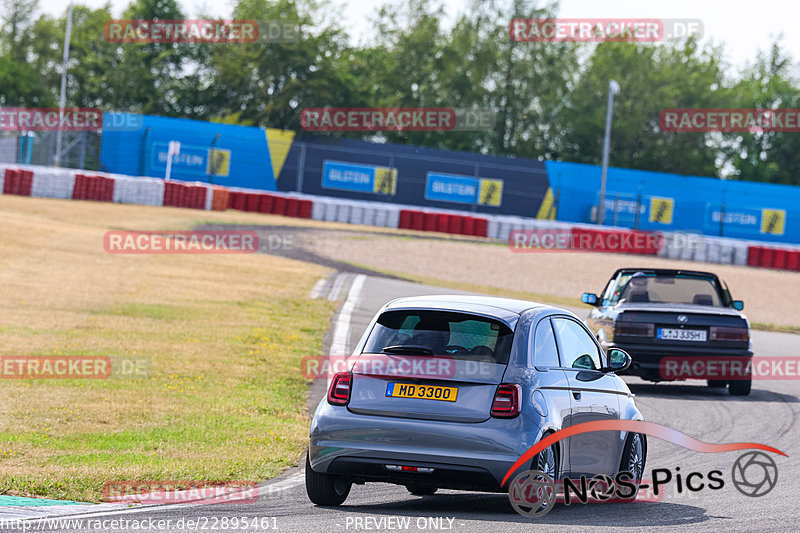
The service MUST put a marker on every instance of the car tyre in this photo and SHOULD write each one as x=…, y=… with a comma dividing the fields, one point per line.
x=634, y=457
x=740, y=387
x=325, y=489
x=547, y=461
x=422, y=491
x=717, y=383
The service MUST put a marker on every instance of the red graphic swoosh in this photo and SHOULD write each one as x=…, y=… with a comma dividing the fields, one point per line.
x=636, y=426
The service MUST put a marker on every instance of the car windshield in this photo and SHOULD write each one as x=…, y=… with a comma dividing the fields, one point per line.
x=426, y=332
x=660, y=288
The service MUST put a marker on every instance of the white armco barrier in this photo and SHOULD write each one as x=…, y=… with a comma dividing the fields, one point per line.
x=712, y=251
x=209, y=198
x=740, y=252
x=53, y=183
x=492, y=228
x=318, y=209
x=699, y=252
x=503, y=227
x=384, y=216
x=356, y=214
x=143, y=191
x=671, y=249
x=393, y=219
x=330, y=210
x=3, y=175
x=343, y=212
x=369, y=215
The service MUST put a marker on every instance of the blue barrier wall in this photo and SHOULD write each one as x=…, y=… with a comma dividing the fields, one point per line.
x=421, y=176
x=671, y=202
x=251, y=157
x=137, y=145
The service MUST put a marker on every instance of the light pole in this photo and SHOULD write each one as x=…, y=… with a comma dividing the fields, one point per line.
x=63, y=96
x=613, y=88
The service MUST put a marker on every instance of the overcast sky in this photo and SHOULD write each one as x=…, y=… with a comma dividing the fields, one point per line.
x=742, y=27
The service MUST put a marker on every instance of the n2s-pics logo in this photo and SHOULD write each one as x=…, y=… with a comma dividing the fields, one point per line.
x=534, y=493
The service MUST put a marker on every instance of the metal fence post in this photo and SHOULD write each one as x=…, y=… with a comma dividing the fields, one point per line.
x=301, y=168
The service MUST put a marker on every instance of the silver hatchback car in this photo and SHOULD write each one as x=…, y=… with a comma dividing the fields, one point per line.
x=449, y=391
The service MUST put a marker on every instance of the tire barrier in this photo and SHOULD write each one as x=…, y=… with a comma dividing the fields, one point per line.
x=18, y=182
x=253, y=202
x=184, y=195
x=95, y=188
x=49, y=182
x=775, y=258
x=220, y=199
x=438, y=222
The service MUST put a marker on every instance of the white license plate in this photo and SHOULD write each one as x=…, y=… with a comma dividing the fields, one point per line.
x=692, y=335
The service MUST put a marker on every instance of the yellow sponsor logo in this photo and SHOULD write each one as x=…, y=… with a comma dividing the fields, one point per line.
x=661, y=209
x=490, y=192
x=219, y=162
x=385, y=180
x=773, y=221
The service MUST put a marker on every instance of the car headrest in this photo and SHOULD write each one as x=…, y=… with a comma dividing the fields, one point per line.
x=703, y=299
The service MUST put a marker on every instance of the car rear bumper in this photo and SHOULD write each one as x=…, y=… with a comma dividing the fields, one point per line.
x=648, y=359
x=465, y=456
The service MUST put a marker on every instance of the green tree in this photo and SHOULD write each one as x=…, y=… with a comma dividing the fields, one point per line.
x=20, y=83
x=652, y=77
x=768, y=156
x=269, y=83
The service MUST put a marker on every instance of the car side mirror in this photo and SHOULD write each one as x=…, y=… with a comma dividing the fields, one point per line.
x=618, y=360
x=738, y=305
x=590, y=298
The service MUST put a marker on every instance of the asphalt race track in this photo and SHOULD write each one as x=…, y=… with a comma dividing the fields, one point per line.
x=767, y=416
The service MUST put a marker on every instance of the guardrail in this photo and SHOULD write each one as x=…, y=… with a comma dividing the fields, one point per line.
x=48, y=182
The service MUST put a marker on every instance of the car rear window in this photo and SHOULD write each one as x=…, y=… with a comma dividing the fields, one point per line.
x=670, y=289
x=458, y=335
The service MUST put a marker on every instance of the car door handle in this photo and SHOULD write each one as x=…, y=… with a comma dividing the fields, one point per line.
x=576, y=395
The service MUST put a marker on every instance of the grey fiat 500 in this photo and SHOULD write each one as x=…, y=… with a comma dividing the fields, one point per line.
x=449, y=391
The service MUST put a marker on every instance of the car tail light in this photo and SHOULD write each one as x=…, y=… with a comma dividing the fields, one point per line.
x=339, y=392
x=634, y=329
x=729, y=334
x=506, y=401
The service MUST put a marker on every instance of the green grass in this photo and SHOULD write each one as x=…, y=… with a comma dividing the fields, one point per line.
x=223, y=335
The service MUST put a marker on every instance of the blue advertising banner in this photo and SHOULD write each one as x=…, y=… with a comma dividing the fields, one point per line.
x=621, y=209
x=348, y=176
x=747, y=221
x=190, y=160
x=451, y=188
x=360, y=178
x=742, y=218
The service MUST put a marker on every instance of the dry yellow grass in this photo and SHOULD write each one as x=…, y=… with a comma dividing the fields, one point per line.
x=224, y=398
